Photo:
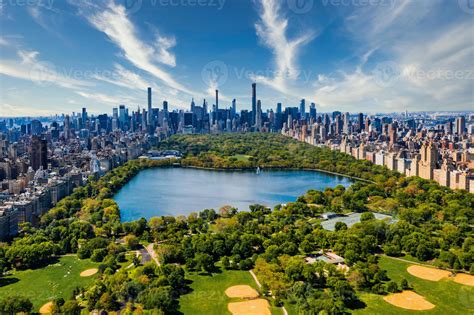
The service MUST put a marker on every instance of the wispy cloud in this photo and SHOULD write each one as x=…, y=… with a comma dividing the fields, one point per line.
x=29, y=67
x=427, y=62
x=114, y=22
x=272, y=31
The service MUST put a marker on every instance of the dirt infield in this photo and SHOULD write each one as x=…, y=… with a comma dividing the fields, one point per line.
x=252, y=307
x=241, y=291
x=409, y=300
x=427, y=273
x=46, y=309
x=465, y=279
x=89, y=272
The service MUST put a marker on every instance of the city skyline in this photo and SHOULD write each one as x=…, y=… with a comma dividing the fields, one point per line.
x=69, y=56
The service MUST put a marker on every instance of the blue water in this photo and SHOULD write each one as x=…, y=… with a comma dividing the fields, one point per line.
x=180, y=191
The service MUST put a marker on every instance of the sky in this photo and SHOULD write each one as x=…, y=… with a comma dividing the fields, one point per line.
x=57, y=56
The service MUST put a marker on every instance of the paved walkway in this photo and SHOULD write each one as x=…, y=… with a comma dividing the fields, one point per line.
x=151, y=251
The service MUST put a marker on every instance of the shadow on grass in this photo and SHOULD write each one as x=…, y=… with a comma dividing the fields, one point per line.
x=7, y=281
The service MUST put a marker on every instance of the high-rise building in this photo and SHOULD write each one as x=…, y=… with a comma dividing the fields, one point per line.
x=38, y=153
x=84, y=117
x=233, y=108
x=150, y=112
x=254, y=103
x=303, y=108
x=258, y=118
x=312, y=111
x=216, y=108
x=460, y=125
x=360, y=122
x=278, y=111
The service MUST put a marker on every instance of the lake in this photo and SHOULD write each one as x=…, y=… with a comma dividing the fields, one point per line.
x=180, y=191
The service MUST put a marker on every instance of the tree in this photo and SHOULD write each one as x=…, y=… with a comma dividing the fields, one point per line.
x=367, y=216
x=204, y=262
x=392, y=287
x=156, y=298
x=71, y=307
x=404, y=284
x=131, y=241
x=15, y=304
x=340, y=226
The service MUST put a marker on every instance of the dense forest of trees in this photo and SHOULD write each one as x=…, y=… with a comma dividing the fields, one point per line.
x=434, y=224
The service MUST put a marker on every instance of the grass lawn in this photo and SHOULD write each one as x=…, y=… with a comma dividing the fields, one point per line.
x=42, y=285
x=241, y=157
x=208, y=292
x=448, y=296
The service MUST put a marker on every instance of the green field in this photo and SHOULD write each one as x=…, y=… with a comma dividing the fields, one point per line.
x=241, y=157
x=43, y=285
x=448, y=296
x=208, y=292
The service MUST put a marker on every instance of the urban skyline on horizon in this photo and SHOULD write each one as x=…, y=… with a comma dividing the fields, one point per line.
x=103, y=55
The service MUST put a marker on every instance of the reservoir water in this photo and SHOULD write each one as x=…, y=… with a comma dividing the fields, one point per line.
x=180, y=191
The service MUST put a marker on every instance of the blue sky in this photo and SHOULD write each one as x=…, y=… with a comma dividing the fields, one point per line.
x=353, y=55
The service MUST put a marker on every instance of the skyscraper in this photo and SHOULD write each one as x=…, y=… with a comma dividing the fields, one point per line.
x=278, y=111
x=38, y=153
x=216, y=115
x=234, y=108
x=258, y=118
x=150, y=112
x=84, y=117
x=254, y=103
x=460, y=125
x=303, y=108
x=312, y=111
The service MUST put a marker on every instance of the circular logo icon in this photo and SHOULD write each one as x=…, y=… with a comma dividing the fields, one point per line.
x=467, y=6
x=300, y=6
x=43, y=73
x=132, y=6
x=215, y=73
x=386, y=73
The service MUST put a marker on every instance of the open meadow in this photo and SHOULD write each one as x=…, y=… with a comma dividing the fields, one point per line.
x=208, y=297
x=448, y=296
x=53, y=281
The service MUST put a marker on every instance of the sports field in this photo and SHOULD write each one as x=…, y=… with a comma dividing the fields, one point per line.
x=53, y=281
x=448, y=296
x=208, y=295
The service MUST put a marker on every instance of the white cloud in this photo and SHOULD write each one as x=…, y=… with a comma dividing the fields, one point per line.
x=114, y=22
x=28, y=67
x=272, y=31
x=429, y=61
